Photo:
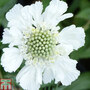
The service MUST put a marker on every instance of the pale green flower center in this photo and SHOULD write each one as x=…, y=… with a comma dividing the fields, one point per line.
x=41, y=44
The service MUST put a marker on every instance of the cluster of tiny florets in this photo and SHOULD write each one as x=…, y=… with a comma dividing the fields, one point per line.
x=41, y=44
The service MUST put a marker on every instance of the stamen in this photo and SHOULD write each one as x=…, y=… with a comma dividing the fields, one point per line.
x=41, y=44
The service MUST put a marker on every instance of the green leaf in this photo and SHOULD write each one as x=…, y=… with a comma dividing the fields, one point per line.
x=83, y=52
x=3, y=45
x=52, y=84
x=82, y=83
x=79, y=22
x=74, y=6
x=84, y=14
x=45, y=3
x=4, y=9
x=4, y=22
x=3, y=2
x=84, y=4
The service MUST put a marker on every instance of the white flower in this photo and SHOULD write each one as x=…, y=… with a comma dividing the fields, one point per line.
x=34, y=37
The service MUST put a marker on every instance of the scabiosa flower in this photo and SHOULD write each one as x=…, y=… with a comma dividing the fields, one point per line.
x=33, y=36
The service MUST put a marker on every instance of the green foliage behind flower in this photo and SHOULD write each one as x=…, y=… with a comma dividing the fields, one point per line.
x=5, y=5
x=81, y=10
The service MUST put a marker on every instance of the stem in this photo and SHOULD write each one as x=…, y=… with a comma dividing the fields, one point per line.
x=1, y=75
x=48, y=88
x=86, y=25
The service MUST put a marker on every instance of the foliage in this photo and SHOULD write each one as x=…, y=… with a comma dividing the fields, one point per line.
x=5, y=5
x=81, y=10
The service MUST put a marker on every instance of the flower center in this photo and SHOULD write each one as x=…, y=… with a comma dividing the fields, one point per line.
x=41, y=44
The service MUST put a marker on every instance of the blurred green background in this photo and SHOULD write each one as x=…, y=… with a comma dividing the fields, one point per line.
x=81, y=11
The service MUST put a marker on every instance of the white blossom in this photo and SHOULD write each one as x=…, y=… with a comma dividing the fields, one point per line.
x=33, y=36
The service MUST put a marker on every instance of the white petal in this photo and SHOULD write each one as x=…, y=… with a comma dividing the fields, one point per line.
x=20, y=24
x=15, y=18
x=11, y=59
x=48, y=75
x=53, y=13
x=7, y=37
x=17, y=36
x=65, y=16
x=66, y=71
x=14, y=13
x=32, y=14
x=27, y=17
x=28, y=78
x=64, y=49
x=73, y=36
x=12, y=36
x=36, y=11
x=39, y=75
